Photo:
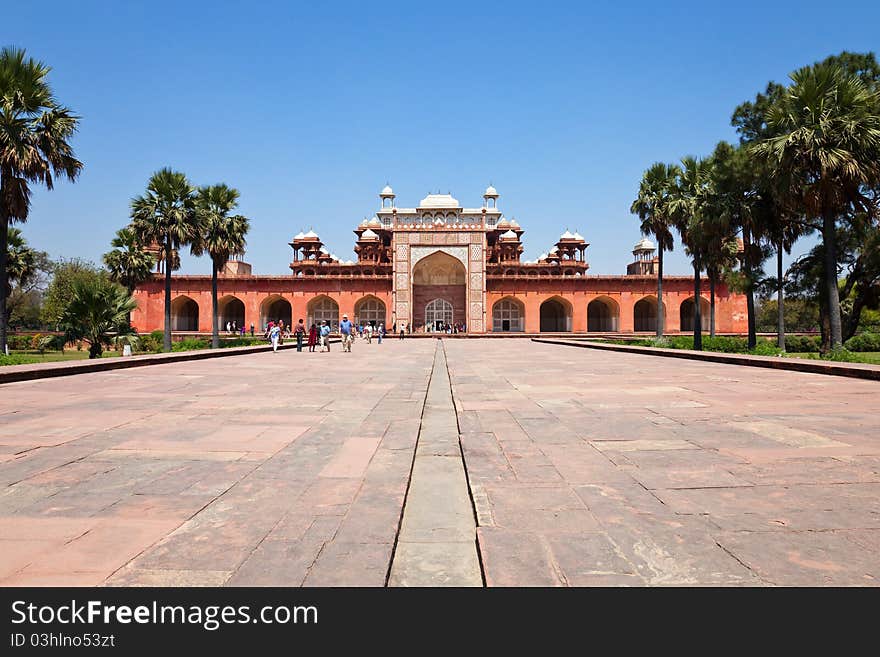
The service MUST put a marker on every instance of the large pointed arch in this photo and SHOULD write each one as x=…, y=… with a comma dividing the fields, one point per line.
x=230, y=309
x=555, y=315
x=687, y=314
x=645, y=314
x=275, y=308
x=323, y=308
x=184, y=314
x=508, y=315
x=603, y=315
x=370, y=310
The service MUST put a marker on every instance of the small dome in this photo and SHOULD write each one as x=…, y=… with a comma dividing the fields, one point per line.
x=504, y=223
x=509, y=235
x=324, y=249
x=644, y=245
x=514, y=223
x=374, y=221
x=363, y=223
x=490, y=191
x=578, y=236
x=566, y=235
x=310, y=234
x=369, y=235
x=387, y=191
x=299, y=235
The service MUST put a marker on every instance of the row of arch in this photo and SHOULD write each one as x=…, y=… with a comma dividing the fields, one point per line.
x=230, y=309
x=508, y=314
x=603, y=315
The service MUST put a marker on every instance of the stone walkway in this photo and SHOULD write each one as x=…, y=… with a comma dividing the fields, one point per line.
x=581, y=468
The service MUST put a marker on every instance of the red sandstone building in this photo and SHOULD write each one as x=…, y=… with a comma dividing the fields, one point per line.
x=436, y=263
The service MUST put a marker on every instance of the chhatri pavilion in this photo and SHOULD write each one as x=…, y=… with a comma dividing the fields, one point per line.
x=442, y=263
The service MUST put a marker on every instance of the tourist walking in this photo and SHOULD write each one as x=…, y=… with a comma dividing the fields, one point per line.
x=300, y=332
x=380, y=331
x=325, y=336
x=368, y=333
x=402, y=329
x=345, y=329
x=274, y=336
x=313, y=337
x=252, y=329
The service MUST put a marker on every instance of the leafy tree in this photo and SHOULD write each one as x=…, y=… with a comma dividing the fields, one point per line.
x=737, y=203
x=824, y=151
x=96, y=313
x=223, y=235
x=129, y=263
x=26, y=268
x=35, y=130
x=166, y=214
x=66, y=273
x=652, y=207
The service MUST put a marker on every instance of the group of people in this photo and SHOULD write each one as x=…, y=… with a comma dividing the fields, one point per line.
x=234, y=329
x=317, y=334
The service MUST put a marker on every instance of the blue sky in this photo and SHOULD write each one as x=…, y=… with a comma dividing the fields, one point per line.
x=309, y=108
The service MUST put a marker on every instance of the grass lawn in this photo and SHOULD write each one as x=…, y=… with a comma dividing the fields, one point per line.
x=870, y=357
x=21, y=357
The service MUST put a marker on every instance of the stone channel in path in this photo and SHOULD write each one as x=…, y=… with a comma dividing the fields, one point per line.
x=437, y=541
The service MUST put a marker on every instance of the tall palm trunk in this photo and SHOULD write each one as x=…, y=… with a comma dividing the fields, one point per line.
x=712, y=304
x=168, y=262
x=750, y=292
x=698, y=324
x=780, y=301
x=215, y=331
x=4, y=278
x=660, y=314
x=829, y=239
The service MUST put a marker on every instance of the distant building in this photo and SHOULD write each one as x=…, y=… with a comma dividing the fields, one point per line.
x=441, y=264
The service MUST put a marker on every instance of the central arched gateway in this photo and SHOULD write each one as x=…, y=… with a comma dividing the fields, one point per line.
x=438, y=289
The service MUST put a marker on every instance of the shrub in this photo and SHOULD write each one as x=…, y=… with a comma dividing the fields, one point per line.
x=243, y=342
x=190, y=344
x=17, y=359
x=54, y=342
x=149, y=344
x=864, y=342
x=37, y=343
x=802, y=344
x=158, y=336
x=843, y=355
x=766, y=348
x=19, y=342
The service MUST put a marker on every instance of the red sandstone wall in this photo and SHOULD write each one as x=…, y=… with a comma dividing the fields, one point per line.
x=255, y=293
x=730, y=309
x=625, y=291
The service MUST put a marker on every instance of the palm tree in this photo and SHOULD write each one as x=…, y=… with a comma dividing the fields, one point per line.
x=96, y=310
x=652, y=207
x=34, y=134
x=167, y=215
x=824, y=149
x=687, y=209
x=129, y=263
x=223, y=235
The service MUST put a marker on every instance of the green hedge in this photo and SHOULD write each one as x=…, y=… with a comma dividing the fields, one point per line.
x=802, y=344
x=189, y=344
x=864, y=342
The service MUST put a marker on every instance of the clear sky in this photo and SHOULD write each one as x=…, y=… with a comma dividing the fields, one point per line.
x=308, y=108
